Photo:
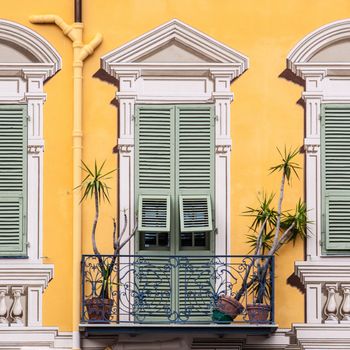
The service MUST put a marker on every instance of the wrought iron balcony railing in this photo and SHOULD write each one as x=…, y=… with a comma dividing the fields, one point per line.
x=177, y=289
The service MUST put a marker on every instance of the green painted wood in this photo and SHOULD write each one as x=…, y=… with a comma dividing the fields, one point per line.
x=195, y=213
x=154, y=213
x=154, y=154
x=175, y=159
x=13, y=179
x=335, y=177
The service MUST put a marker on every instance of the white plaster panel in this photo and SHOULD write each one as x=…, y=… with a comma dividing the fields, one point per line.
x=184, y=87
x=222, y=203
x=34, y=306
x=12, y=88
x=336, y=87
x=314, y=303
x=313, y=186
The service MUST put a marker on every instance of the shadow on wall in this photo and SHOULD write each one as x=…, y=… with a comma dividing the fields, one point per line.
x=294, y=281
x=105, y=77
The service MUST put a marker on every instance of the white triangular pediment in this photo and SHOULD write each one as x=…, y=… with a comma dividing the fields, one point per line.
x=174, y=51
x=174, y=43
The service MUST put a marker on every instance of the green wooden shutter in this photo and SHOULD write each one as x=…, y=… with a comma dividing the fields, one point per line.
x=154, y=166
x=195, y=164
x=195, y=213
x=195, y=193
x=154, y=213
x=335, y=149
x=13, y=179
x=154, y=188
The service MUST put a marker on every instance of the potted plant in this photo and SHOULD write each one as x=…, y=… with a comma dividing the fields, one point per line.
x=271, y=230
x=94, y=186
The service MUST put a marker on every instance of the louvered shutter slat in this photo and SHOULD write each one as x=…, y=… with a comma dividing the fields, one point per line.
x=154, y=132
x=13, y=178
x=154, y=213
x=195, y=136
x=195, y=148
x=336, y=176
x=195, y=213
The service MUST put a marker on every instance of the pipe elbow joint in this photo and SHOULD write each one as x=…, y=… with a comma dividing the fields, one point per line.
x=89, y=48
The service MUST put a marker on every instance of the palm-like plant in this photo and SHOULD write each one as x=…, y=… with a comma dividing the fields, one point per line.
x=272, y=229
x=94, y=186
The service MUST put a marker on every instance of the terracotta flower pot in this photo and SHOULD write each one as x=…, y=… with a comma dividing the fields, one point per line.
x=229, y=306
x=99, y=310
x=258, y=313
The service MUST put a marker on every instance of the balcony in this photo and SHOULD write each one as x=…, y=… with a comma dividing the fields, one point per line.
x=136, y=294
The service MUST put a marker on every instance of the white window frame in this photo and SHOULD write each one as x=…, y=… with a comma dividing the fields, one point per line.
x=22, y=83
x=175, y=83
x=325, y=82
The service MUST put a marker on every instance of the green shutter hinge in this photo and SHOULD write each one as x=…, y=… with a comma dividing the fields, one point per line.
x=28, y=117
x=28, y=244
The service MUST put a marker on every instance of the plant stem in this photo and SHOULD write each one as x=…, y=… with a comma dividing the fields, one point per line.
x=279, y=212
x=240, y=293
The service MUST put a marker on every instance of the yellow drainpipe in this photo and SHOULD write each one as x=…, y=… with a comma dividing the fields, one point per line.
x=80, y=52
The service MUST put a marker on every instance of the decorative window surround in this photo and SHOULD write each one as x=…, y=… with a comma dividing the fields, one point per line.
x=322, y=59
x=175, y=63
x=27, y=61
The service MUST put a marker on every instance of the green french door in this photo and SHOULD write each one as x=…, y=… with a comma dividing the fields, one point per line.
x=174, y=170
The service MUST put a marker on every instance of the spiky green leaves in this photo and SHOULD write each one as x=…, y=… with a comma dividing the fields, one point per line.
x=292, y=223
x=264, y=216
x=95, y=182
x=288, y=166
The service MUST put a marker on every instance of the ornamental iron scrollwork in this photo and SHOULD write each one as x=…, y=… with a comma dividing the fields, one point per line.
x=168, y=289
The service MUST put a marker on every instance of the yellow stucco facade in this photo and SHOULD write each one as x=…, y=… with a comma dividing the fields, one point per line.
x=265, y=114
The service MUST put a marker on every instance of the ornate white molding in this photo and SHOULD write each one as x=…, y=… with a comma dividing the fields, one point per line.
x=311, y=148
x=124, y=148
x=176, y=63
x=43, y=52
x=322, y=336
x=300, y=57
x=324, y=64
x=26, y=274
x=35, y=149
x=326, y=270
x=27, y=60
x=31, y=338
x=222, y=148
x=208, y=53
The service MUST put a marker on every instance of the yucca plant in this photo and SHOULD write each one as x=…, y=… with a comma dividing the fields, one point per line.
x=94, y=186
x=271, y=229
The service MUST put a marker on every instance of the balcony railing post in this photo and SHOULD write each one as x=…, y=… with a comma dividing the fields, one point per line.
x=272, y=296
x=82, y=273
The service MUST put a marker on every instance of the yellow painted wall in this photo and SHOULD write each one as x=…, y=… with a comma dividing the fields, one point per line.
x=265, y=114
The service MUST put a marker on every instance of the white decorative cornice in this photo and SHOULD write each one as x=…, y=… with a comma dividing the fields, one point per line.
x=124, y=148
x=25, y=274
x=298, y=59
x=35, y=149
x=222, y=148
x=320, y=271
x=322, y=336
x=311, y=148
x=216, y=56
x=43, y=52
